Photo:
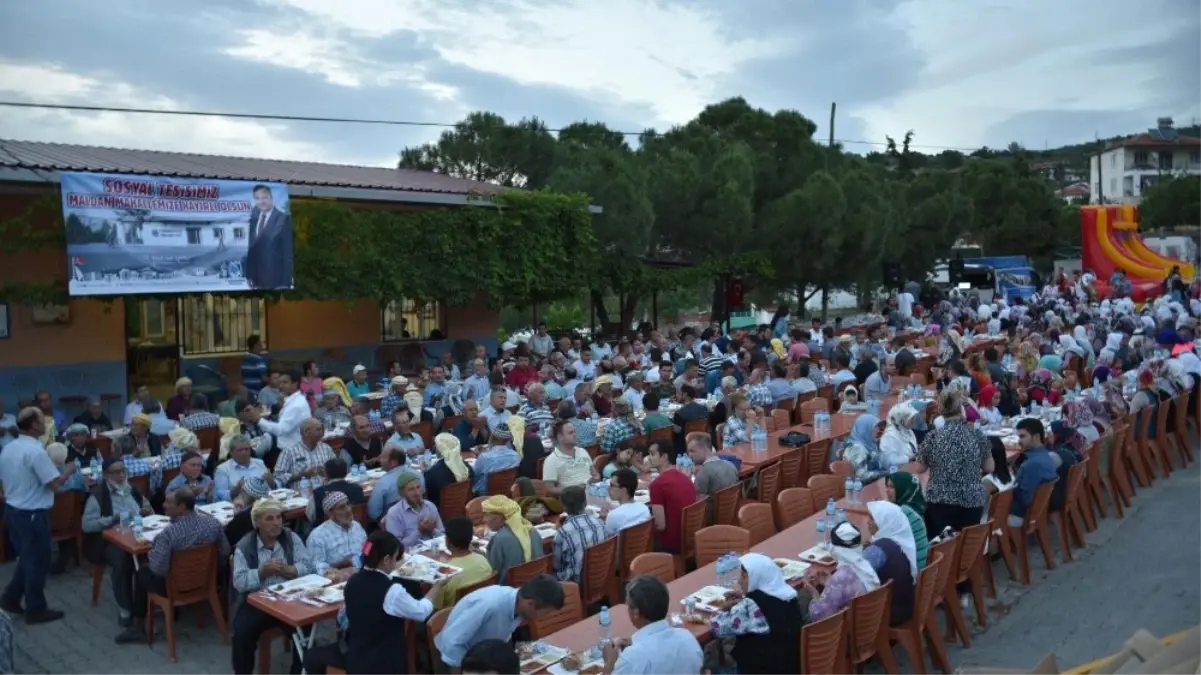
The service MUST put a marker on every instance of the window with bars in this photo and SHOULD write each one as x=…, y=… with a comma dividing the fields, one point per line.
x=220, y=324
x=405, y=319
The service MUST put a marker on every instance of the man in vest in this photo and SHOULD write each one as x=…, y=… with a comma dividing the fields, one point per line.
x=112, y=498
x=271, y=554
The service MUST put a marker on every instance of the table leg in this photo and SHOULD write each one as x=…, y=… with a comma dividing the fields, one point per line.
x=303, y=643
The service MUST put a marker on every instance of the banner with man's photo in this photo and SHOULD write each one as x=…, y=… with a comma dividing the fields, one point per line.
x=148, y=234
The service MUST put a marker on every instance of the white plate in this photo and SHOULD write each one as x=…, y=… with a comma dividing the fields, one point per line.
x=282, y=494
x=421, y=568
x=296, y=503
x=551, y=656
x=791, y=569
x=331, y=595
x=546, y=531
x=707, y=597
x=816, y=555
x=299, y=584
x=594, y=666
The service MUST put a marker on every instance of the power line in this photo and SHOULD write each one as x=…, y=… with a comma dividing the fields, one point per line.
x=351, y=120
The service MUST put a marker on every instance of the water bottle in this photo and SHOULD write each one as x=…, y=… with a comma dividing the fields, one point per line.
x=830, y=507
x=606, y=627
x=841, y=517
x=138, y=525
x=821, y=532
x=95, y=469
x=306, y=488
x=759, y=439
x=857, y=487
x=849, y=488
x=892, y=468
x=125, y=518
x=316, y=483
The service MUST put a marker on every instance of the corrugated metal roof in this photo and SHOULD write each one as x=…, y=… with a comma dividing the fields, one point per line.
x=64, y=157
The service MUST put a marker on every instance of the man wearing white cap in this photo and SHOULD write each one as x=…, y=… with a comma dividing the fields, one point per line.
x=396, y=396
x=358, y=385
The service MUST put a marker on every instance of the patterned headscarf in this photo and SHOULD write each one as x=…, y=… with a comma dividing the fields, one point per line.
x=1042, y=377
x=1077, y=414
x=183, y=439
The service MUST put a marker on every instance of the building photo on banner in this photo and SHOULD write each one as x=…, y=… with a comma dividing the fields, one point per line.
x=131, y=234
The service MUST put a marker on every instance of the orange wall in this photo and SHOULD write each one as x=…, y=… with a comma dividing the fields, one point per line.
x=304, y=324
x=473, y=321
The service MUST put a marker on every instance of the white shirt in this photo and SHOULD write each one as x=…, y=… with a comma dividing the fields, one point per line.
x=634, y=397
x=586, y=371
x=287, y=430
x=132, y=409
x=626, y=515
x=905, y=305
x=400, y=604
x=567, y=470
x=660, y=648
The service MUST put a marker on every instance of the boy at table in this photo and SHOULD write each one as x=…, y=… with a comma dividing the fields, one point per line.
x=272, y=554
x=494, y=612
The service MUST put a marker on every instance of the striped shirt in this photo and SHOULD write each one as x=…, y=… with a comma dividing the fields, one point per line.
x=187, y=531
x=536, y=416
x=576, y=535
x=331, y=543
x=299, y=457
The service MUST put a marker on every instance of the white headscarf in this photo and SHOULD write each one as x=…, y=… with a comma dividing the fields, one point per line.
x=764, y=575
x=1069, y=345
x=1081, y=335
x=1113, y=341
x=848, y=551
x=893, y=524
x=899, y=444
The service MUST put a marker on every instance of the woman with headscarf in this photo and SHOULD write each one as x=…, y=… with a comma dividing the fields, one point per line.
x=514, y=540
x=863, y=449
x=893, y=555
x=1040, y=387
x=146, y=444
x=777, y=349
x=1027, y=360
x=853, y=576
x=987, y=402
x=448, y=470
x=764, y=620
x=1079, y=416
x=905, y=490
x=899, y=443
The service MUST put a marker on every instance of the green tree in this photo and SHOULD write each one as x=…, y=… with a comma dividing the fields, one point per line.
x=483, y=147
x=1171, y=202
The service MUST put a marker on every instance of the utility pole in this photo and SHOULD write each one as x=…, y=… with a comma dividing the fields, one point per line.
x=825, y=293
x=833, y=107
x=1100, y=175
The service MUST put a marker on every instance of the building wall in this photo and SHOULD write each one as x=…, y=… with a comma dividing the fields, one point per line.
x=86, y=355
x=1120, y=176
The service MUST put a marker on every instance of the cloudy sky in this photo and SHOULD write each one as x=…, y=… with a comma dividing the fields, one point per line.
x=959, y=73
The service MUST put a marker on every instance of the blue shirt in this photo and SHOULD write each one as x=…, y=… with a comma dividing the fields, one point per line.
x=585, y=431
x=25, y=469
x=356, y=390
x=385, y=493
x=495, y=417
x=476, y=387
x=659, y=648
x=181, y=480
x=254, y=367
x=433, y=390
x=489, y=613
x=496, y=458
x=412, y=442
x=1037, y=469
x=229, y=473
x=7, y=421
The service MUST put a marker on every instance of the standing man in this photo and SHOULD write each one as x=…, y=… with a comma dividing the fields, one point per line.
x=30, y=480
x=269, y=255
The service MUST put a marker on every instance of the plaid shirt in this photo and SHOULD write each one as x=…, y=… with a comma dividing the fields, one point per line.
x=331, y=543
x=299, y=457
x=585, y=431
x=201, y=420
x=760, y=395
x=187, y=531
x=137, y=466
x=390, y=403
x=577, y=534
x=617, y=431
x=735, y=432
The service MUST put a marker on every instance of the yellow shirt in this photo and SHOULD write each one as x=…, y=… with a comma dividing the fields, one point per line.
x=475, y=568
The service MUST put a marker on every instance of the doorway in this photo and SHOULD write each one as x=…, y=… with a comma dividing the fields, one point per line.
x=152, y=344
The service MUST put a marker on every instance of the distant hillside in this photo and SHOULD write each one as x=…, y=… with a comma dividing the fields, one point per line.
x=1072, y=156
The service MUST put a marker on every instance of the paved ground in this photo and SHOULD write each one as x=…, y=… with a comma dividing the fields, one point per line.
x=1144, y=571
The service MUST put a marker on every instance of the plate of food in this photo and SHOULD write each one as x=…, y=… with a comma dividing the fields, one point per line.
x=305, y=583
x=570, y=666
x=818, y=555
x=791, y=569
x=283, y=494
x=642, y=496
x=546, y=530
x=427, y=570
x=538, y=655
x=707, y=598
x=330, y=595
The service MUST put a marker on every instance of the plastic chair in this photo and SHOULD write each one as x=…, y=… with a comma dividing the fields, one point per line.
x=922, y=626
x=661, y=565
x=867, y=629
x=599, y=561
x=812, y=407
x=570, y=614
x=815, y=460
x=1117, y=473
x=633, y=542
x=66, y=522
x=792, y=506
x=693, y=519
x=717, y=540
x=769, y=484
x=969, y=564
x=192, y=579
x=842, y=468
x=490, y=580
x=1069, y=520
x=725, y=504
x=1036, y=524
x=823, y=645
x=433, y=626
x=757, y=519
x=519, y=574
x=453, y=498
x=500, y=482
x=826, y=487
x=998, y=512
x=790, y=469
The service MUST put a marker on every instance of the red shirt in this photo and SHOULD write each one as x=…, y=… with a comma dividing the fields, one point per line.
x=519, y=377
x=673, y=491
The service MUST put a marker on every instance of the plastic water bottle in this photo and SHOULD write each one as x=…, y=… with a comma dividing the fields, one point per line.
x=606, y=627
x=306, y=488
x=759, y=439
x=849, y=488
x=95, y=469
x=125, y=518
x=841, y=517
x=831, y=509
x=821, y=532
x=892, y=468
x=857, y=488
x=316, y=483
x=138, y=525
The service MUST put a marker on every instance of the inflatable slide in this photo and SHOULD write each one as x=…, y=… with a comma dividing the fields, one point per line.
x=1110, y=241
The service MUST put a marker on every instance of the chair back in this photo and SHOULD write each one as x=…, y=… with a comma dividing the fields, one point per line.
x=599, y=561
x=998, y=507
x=193, y=574
x=539, y=489
x=452, y=499
x=661, y=565
x=475, y=510
x=490, y=580
x=1039, y=505
x=769, y=484
x=142, y=483
x=790, y=469
x=450, y=422
x=599, y=463
x=947, y=551
x=663, y=434
x=359, y=511
x=424, y=429
x=720, y=432
x=1076, y=474
x=971, y=549
x=696, y=426
x=826, y=487
x=571, y=613
x=541, y=461
x=433, y=626
x=869, y=615
x=782, y=417
x=65, y=519
x=757, y=518
x=792, y=506
x=693, y=518
x=725, y=504
x=788, y=404
x=812, y=407
x=816, y=460
x=842, y=468
x=209, y=438
x=927, y=589
x=822, y=644
x=717, y=540
x=168, y=476
x=633, y=542
x=500, y=482
x=519, y=574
